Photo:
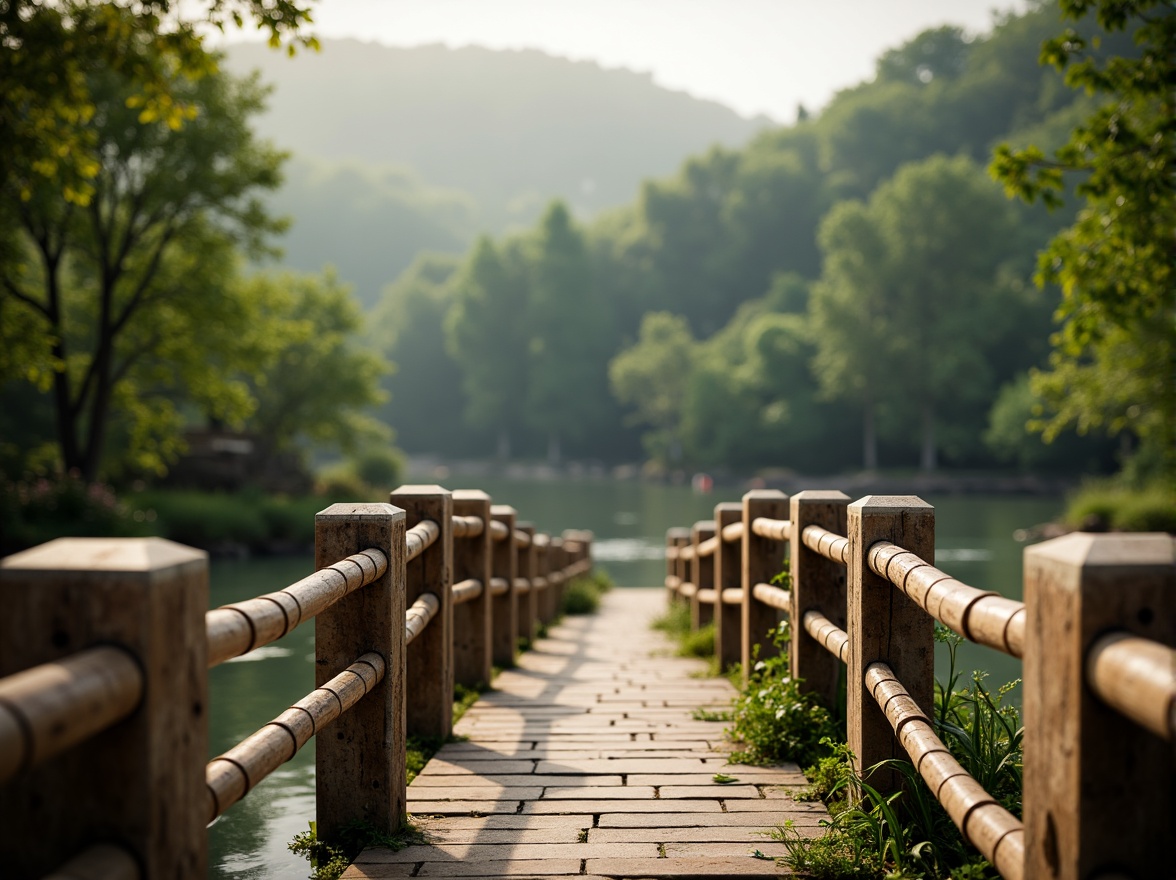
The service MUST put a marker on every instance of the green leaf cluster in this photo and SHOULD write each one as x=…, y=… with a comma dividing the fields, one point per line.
x=126, y=314
x=774, y=719
x=1114, y=355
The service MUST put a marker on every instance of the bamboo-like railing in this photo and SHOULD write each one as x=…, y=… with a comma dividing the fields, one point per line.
x=105, y=646
x=1096, y=633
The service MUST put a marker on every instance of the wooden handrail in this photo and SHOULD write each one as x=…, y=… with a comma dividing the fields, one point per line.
x=981, y=616
x=466, y=591
x=827, y=634
x=143, y=688
x=985, y=824
x=732, y=532
x=707, y=547
x=1137, y=678
x=828, y=544
x=772, y=529
x=52, y=707
x=772, y=595
x=420, y=537
x=418, y=616
x=232, y=775
x=467, y=526
x=237, y=629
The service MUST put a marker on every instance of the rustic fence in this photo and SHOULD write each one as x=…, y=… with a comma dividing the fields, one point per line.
x=105, y=647
x=1096, y=634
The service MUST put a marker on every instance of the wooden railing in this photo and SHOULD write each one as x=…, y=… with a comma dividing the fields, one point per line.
x=1096, y=633
x=105, y=646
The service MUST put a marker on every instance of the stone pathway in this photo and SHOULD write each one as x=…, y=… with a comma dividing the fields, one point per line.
x=587, y=760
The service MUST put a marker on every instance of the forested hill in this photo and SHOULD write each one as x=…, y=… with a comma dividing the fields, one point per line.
x=432, y=144
x=852, y=289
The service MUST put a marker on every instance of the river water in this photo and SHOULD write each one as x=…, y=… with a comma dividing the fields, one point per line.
x=973, y=543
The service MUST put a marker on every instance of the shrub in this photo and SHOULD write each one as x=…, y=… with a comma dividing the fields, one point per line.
x=379, y=467
x=205, y=519
x=64, y=505
x=580, y=597
x=1103, y=505
x=775, y=720
x=908, y=834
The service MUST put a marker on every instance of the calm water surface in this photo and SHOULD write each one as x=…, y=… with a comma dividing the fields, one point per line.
x=973, y=543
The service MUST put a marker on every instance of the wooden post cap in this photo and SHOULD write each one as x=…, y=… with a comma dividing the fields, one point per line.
x=122, y=555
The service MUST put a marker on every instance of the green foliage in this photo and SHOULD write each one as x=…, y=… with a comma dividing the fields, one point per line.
x=700, y=642
x=426, y=401
x=38, y=510
x=916, y=295
x=979, y=729
x=582, y=594
x=48, y=98
x=369, y=473
x=701, y=714
x=1115, y=352
x=255, y=520
x=130, y=299
x=1114, y=505
x=328, y=861
x=908, y=835
x=774, y=720
x=318, y=382
x=464, y=697
x=653, y=377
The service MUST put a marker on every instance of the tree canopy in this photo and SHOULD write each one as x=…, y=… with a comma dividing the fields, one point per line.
x=1114, y=357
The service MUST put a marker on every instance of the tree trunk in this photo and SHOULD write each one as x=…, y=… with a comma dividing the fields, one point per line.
x=553, y=452
x=504, y=445
x=67, y=425
x=928, y=459
x=869, y=439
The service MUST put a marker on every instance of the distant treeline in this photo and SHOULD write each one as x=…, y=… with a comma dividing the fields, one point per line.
x=850, y=290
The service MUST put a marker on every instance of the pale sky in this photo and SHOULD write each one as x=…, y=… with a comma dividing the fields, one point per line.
x=756, y=56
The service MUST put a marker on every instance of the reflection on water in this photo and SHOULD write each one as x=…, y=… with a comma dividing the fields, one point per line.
x=973, y=543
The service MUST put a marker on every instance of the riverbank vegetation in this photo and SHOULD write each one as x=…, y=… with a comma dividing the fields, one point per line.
x=903, y=836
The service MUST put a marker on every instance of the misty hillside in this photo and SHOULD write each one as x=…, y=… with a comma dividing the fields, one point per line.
x=510, y=128
x=402, y=149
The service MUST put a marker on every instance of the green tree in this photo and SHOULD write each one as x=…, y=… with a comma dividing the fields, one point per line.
x=486, y=334
x=102, y=281
x=567, y=323
x=1114, y=357
x=915, y=293
x=319, y=384
x=47, y=98
x=652, y=377
x=426, y=403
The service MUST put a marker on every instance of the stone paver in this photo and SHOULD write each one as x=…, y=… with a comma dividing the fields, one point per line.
x=586, y=761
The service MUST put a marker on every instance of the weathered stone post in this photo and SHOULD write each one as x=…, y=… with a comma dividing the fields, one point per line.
x=141, y=781
x=359, y=764
x=528, y=571
x=763, y=559
x=678, y=538
x=430, y=656
x=886, y=626
x=472, y=621
x=1098, y=796
x=817, y=584
x=728, y=576
x=702, y=574
x=506, y=607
